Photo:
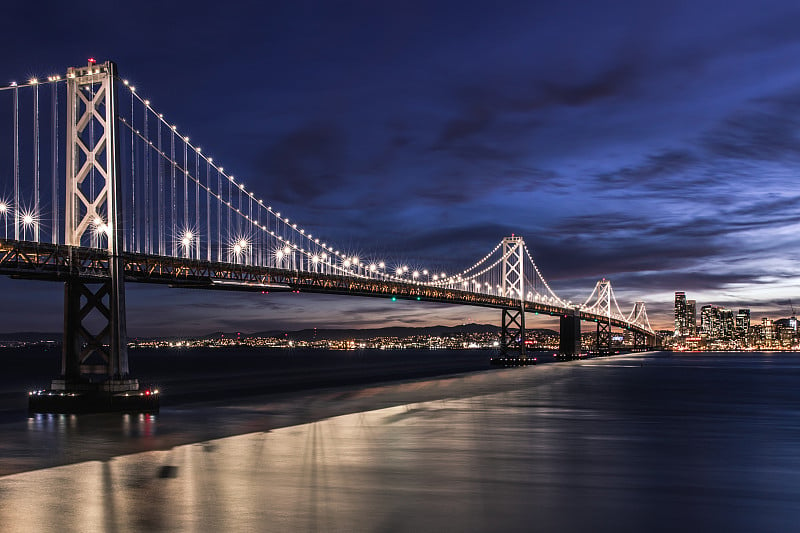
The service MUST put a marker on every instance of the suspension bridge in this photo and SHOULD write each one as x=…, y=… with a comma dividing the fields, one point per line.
x=100, y=189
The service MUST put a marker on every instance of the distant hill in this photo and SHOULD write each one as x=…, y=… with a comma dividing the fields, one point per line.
x=30, y=336
x=402, y=332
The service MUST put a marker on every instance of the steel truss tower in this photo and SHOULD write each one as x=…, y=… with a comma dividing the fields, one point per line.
x=604, y=309
x=94, y=361
x=512, y=335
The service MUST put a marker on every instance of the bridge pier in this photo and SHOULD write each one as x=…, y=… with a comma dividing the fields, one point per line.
x=94, y=366
x=639, y=341
x=603, y=339
x=570, y=335
x=512, y=339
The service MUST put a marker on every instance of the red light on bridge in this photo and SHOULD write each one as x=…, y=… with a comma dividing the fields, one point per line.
x=147, y=392
x=92, y=61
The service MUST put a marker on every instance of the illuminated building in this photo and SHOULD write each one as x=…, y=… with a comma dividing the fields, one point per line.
x=726, y=324
x=691, y=316
x=743, y=325
x=767, y=332
x=681, y=329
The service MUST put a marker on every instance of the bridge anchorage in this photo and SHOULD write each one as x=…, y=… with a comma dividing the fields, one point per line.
x=142, y=204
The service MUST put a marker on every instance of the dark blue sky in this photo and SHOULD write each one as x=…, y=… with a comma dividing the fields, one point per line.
x=653, y=143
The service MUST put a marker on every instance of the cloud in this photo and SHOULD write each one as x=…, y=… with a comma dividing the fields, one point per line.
x=306, y=163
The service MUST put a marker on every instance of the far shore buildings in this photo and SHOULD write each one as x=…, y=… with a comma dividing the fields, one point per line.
x=723, y=329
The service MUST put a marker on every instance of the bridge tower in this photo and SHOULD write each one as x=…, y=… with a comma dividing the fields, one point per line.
x=94, y=362
x=639, y=338
x=604, y=296
x=512, y=335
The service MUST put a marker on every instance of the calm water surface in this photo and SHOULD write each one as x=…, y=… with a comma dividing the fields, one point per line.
x=654, y=442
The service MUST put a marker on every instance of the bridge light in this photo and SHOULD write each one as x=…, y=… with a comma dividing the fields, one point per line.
x=3, y=208
x=381, y=265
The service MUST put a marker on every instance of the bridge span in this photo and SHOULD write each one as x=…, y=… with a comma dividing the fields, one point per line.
x=140, y=203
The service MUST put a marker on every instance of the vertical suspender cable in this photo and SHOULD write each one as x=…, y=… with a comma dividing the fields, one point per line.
x=17, y=208
x=185, y=187
x=54, y=148
x=173, y=194
x=228, y=237
x=134, y=235
x=219, y=216
x=160, y=194
x=208, y=210
x=197, y=201
x=250, y=215
x=146, y=170
x=36, y=215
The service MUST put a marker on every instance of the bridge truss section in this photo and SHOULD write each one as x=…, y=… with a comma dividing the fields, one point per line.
x=94, y=212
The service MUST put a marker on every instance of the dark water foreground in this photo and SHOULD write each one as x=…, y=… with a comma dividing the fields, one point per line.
x=661, y=442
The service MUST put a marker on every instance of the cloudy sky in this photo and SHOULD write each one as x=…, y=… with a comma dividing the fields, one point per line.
x=652, y=143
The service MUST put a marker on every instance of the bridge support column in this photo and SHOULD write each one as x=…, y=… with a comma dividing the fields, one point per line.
x=570, y=335
x=94, y=361
x=603, y=341
x=512, y=339
x=512, y=334
x=639, y=341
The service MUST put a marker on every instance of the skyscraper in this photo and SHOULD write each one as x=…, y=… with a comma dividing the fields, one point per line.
x=743, y=324
x=680, y=314
x=710, y=324
x=691, y=317
x=726, y=323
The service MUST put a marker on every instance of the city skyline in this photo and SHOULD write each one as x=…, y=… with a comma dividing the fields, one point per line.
x=424, y=133
x=718, y=327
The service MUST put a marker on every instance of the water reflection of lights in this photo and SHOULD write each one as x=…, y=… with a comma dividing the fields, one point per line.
x=52, y=423
x=141, y=425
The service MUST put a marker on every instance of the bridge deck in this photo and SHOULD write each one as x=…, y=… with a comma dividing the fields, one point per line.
x=57, y=262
